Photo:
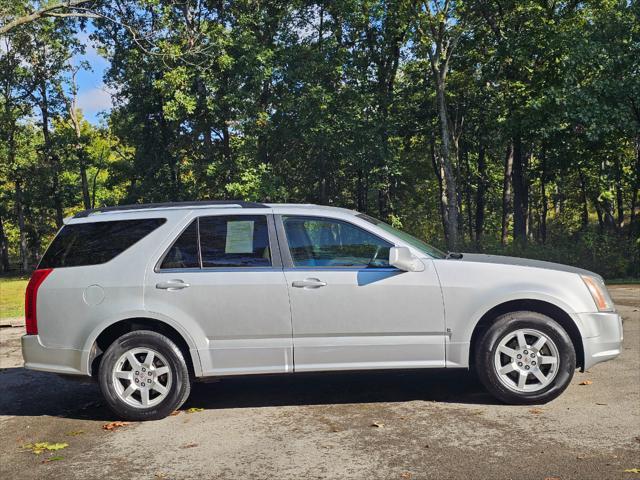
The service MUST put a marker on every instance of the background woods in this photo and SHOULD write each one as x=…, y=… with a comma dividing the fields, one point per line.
x=509, y=126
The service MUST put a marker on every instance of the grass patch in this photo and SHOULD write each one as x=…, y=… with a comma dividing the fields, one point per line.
x=12, y=296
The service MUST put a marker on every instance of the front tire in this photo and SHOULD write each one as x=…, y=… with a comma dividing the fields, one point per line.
x=525, y=358
x=143, y=376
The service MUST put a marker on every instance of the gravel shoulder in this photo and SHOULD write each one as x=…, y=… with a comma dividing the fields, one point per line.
x=417, y=425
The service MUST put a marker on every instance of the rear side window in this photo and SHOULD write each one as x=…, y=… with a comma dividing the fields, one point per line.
x=94, y=243
x=224, y=241
x=184, y=252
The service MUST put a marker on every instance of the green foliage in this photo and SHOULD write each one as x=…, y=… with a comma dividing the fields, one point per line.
x=335, y=103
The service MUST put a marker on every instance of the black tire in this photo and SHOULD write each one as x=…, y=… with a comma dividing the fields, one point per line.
x=180, y=385
x=510, y=322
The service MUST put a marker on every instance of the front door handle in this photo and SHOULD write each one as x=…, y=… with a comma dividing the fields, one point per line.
x=172, y=285
x=308, y=283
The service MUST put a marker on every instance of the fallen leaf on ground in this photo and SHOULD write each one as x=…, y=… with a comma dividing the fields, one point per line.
x=40, y=447
x=406, y=475
x=174, y=413
x=585, y=382
x=111, y=426
x=75, y=432
x=632, y=470
x=377, y=425
x=536, y=411
x=638, y=439
x=597, y=403
x=189, y=445
x=194, y=410
x=52, y=459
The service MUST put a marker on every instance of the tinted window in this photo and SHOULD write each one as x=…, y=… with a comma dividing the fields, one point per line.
x=324, y=242
x=184, y=252
x=235, y=241
x=93, y=243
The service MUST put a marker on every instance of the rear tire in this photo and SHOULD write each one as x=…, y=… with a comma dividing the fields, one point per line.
x=525, y=358
x=143, y=376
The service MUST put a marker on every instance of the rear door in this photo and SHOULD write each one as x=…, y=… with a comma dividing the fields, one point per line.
x=224, y=274
x=350, y=308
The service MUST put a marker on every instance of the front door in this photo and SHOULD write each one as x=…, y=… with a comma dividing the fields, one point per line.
x=350, y=308
x=222, y=280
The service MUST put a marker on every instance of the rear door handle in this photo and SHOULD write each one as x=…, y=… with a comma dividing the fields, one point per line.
x=172, y=285
x=308, y=283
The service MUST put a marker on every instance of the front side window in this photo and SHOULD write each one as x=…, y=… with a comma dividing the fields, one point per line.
x=81, y=244
x=223, y=241
x=327, y=242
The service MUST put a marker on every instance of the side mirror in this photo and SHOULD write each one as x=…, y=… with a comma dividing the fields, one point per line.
x=401, y=258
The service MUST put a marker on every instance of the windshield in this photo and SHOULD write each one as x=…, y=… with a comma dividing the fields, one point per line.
x=410, y=239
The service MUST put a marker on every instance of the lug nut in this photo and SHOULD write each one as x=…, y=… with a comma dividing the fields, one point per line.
x=136, y=380
x=149, y=381
x=519, y=356
x=526, y=367
x=143, y=369
x=533, y=363
x=148, y=373
x=525, y=352
x=519, y=364
x=533, y=355
x=137, y=373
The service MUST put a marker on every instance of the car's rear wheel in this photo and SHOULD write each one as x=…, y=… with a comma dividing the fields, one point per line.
x=525, y=358
x=143, y=376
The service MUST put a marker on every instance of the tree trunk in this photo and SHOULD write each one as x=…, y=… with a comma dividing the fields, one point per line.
x=52, y=159
x=585, y=202
x=506, y=193
x=480, y=192
x=442, y=199
x=619, y=196
x=449, y=181
x=4, y=248
x=543, y=198
x=467, y=194
x=519, y=194
x=633, y=221
x=80, y=151
x=24, y=259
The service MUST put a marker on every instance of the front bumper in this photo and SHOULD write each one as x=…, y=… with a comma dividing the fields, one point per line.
x=57, y=360
x=605, y=341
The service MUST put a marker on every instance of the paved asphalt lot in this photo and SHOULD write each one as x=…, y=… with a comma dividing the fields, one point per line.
x=388, y=425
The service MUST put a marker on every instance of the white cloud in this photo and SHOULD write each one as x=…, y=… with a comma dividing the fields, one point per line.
x=94, y=100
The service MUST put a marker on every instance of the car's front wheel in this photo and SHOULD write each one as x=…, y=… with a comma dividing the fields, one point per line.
x=143, y=376
x=525, y=358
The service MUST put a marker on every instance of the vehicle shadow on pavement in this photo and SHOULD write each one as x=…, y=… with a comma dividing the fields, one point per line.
x=29, y=393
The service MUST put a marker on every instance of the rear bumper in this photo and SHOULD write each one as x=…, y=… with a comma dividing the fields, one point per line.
x=57, y=360
x=607, y=341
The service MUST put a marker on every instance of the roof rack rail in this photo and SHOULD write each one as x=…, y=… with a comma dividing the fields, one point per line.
x=144, y=206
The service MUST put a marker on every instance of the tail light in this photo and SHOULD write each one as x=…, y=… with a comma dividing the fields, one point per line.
x=31, y=299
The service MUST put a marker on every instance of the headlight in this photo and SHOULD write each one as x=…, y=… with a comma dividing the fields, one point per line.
x=598, y=292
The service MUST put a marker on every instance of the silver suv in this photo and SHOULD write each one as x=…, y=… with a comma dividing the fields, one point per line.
x=147, y=298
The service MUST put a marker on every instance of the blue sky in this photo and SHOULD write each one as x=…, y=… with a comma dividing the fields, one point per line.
x=93, y=96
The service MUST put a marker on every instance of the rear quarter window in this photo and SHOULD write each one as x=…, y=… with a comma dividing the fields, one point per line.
x=95, y=243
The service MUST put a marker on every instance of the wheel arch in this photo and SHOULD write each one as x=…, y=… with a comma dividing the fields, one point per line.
x=114, y=330
x=534, y=305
